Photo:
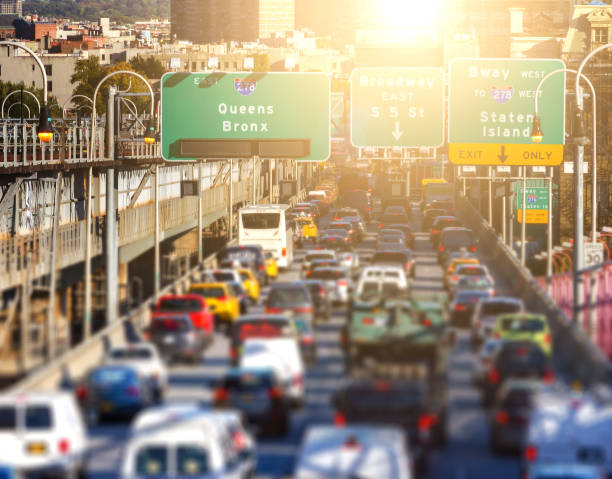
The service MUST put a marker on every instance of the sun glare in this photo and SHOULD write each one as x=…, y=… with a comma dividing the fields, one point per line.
x=410, y=13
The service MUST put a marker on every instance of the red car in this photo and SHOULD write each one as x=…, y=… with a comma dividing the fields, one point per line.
x=186, y=304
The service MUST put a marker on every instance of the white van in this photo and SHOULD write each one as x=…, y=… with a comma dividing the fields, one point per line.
x=281, y=355
x=354, y=451
x=185, y=440
x=568, y=425
x=268, y=227
x=42, y=433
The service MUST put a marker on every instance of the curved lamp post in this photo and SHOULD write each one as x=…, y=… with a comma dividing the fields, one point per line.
x=8, y=112
x=27, y=92
x=72, y=98
x=45, y=133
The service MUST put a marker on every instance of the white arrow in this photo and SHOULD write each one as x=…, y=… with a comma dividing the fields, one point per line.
x=397, y=134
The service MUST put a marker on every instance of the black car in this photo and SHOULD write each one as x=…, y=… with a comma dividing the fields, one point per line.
x=462, y=307
x=430, y=215
x=176, y=338
x=408, y=233
x=401, y=258
x=392, y=219
x=348, y=226
x=416, y=406
x=251, y=256
x=258, y=395
x=320, y=297
x=515, y=359
x=337, y=239
x=455, y=239
x=439, y=223
x=358, y=199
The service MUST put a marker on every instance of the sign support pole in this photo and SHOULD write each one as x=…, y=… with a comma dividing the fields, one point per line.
x=523, y=219
x=490, y=212
x=504, y=219
x=511, y=223
x=200, y=249
x=549, y=240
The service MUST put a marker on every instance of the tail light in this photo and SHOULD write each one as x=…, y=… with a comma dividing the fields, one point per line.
x=455, y=279
x=348, y=258
x=298, y=380
x=133, y=391
x=221, y=395
x=275, y=393
x=473, y=249
x=382, y=386
x=306, y=340
x=407, y=265
x=493, y=376
x=273, y=310
x=531, y=453
x=368, y=208
x=222, y=298
x=308, y=273
x=284, y=252
x=547, y=338
x=347, y=239
x=441, y=248
x=322, y=292
x=305, y=309
x=260, y=267
x=367, y=321
x=380, y=225
x=548, y=376
x=427, y=421
x=502, y=418
x=63, y=446
x=233, y=353
x=342, y=283
x=435, y=231
x=426, y=322
x=82, y=392
x=240, y=440
x=336, y=218
x=460, y=307
x=339, y=419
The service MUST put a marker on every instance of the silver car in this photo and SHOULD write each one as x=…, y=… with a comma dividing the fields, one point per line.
x=486, y=313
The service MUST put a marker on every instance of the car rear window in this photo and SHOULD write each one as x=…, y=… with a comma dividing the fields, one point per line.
x=390, y=289
x=470, y=296
x=113, y=376
x=223, y=276
x=522, y=325
x=390, y=257
x=8, y=418
x=132, y=353
x=518, y=398
x=170, y=325
x=208, y=292
x=499, y=308
x=191, y=461
x=152, y=461
x=369, y=287
x=38, y=417
x=327, y=274
x=336, y=232
x=471, y=271
x=241, y=254
x=248, y=381
x=263, y=329
x=281, y=296
x=314, y=257
x=260, y=221
x=179, y=304
x=458, y=238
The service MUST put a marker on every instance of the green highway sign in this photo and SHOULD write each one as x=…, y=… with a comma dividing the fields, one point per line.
x=492, y=101
x=536, y=202
x=397, y=107
x=198, y=107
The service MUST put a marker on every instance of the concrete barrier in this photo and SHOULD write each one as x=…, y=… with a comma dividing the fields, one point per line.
x=575, y=357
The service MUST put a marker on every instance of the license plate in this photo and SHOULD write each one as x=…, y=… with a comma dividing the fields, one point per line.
x=36, y=448
x=107, y=406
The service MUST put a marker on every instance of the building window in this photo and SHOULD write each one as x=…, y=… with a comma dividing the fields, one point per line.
x=194, y=66
x=599, y=34
x=49, y=85
x=33, y=83
x=49, y=70
x=103, y=57
x=33, y=67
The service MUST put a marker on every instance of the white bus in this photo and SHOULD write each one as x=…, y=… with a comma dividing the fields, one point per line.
x=267, y=226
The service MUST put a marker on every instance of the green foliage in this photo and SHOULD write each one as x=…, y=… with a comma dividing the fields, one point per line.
x=150, y=67
x=7, y=87
x=118, y=10
x=87, y=75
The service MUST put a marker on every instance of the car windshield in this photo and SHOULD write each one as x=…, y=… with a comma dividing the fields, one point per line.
x=170, y=325
x=209, y=292
x=191, y=461
x=492, y=309
x=248, y=381
x=287, y=296
x=522, y=325
x=38, y=417
x=152, y=461
x=131, y=353
x=8, y=418
x=328, y=274
x=179, y=304
x=263, y=329
x=260, y=221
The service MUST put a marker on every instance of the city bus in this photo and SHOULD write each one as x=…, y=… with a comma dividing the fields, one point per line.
x=268, y=227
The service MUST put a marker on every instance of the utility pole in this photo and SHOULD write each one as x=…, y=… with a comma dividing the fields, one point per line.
x=112, y=240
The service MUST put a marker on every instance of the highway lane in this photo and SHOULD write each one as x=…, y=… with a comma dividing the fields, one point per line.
x=466, y=456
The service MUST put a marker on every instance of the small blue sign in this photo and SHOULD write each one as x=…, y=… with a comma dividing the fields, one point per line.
x=245, y=87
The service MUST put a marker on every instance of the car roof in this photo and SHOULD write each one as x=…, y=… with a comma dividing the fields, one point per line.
x=338, y=435
x=17, y=398
x=263, y=317
x=208, y=285
x=455, y=229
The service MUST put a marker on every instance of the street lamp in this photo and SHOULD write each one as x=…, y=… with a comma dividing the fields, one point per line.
x=45, y=133
x=536, y=132
x=149, y=136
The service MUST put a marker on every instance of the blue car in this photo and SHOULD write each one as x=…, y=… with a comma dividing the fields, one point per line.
x=113, y=391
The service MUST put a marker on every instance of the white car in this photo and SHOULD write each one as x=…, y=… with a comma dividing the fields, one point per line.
x=42, y=434
x=484, y=358
x=486, y=313
x=177, y=440
x=354, y=451
x=385, y=273
x=569, y=425
x=348, y=259
x=283, y=356
x=338, y=283
x=145, y=359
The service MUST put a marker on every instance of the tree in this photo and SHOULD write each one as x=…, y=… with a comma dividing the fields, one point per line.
x=150, y=66
x=7, y=87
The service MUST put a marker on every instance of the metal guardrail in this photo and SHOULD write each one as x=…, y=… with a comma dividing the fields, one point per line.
x=574, y=354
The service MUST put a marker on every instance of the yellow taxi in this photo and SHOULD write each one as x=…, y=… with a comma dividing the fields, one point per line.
x=219, y=299
x=525, y=327
x=308, y=227
x=271, y=265
x=249, y=283
x=450, y=271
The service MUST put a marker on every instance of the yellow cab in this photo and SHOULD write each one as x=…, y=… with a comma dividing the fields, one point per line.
x=271, y=265
x=450, y=271
x=249, y=283
x=308, y=227
x=219, y=299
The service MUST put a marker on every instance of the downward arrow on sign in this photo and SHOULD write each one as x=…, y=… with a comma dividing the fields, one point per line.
x=502, y=156
x=397, y=134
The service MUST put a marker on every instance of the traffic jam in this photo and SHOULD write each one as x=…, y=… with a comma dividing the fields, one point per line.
x=395, y=284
